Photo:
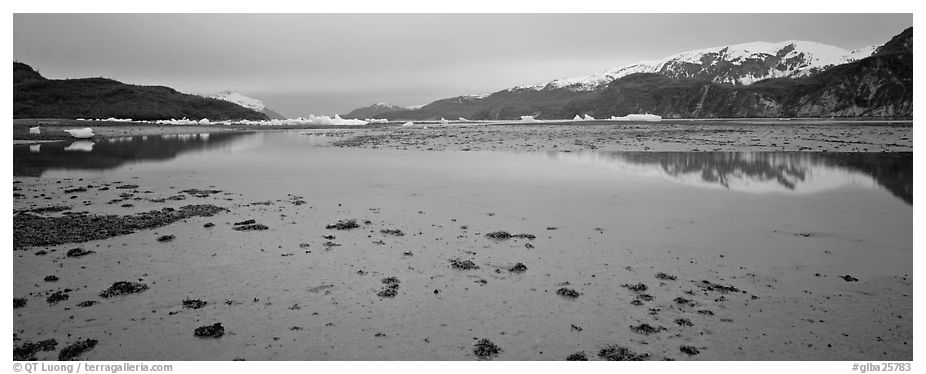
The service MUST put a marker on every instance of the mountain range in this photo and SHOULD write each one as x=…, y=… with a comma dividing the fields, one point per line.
x=785, y=79
x=34, y=96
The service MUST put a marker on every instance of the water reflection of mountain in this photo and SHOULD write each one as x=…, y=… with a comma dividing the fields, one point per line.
x=720, y=168
x=112, y=152
x=893, y=171
x=763, y=171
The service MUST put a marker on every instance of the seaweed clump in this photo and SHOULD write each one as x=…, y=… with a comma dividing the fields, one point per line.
x=344, y=225
x=618, y=353
x=568, y=292
x=195, y=192
x=484, y=348
x=578, y=356
x=646, y=329
x=460, y=264
x=518, y=268
x=391, y=288
x=639, y=287
x=194, y=303
x=252, y=227
x=72, y=351
x=393, y=232
x=210, y=331
x=56, y=297
x=708, y=286
x=689, y=350
x=78, y=252
x=504, y=235
x=123, y=288
x=684, y=322
x=848, y=278
x=27, y=351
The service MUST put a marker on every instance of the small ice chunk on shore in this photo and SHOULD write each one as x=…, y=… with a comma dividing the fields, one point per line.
x=84, y=133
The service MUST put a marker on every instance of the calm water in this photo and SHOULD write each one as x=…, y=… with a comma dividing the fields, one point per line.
x=789, y=173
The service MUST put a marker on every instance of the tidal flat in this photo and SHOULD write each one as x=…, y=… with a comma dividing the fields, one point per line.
x=640, y=241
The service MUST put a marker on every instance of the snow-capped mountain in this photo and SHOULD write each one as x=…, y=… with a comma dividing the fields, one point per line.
x=740, y=64
x=247, y=102
x=376, y=110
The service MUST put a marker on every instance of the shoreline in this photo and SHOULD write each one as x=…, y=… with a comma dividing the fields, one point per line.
x=609, y=136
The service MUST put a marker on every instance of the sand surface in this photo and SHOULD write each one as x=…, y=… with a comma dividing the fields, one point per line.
x=760, y=272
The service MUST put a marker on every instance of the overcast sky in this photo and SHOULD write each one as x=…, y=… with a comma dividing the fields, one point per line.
x=304, y=64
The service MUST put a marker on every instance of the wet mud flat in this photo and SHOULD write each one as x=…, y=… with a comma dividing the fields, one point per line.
x=367, y=266
x=673, y=135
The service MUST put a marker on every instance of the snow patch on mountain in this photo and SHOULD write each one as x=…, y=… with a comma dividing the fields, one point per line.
x=240, y=99
x=387, y=106
x=737, y=64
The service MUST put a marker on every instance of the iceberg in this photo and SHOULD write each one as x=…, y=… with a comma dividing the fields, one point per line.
x=528, y=119
x=588, y=117
x=35, y=130
x=35, y=148
x=408, y=124
x=638, y=117
x=183, y=121
x=84, y=133
x=444, y=122
x=577, y=118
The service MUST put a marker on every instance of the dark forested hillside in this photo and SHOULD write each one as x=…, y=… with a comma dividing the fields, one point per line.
x=37, y=97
